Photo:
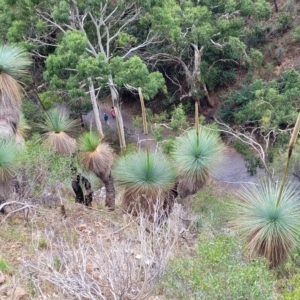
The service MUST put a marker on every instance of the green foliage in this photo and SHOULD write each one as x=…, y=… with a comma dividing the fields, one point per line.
x=135, y=73
x=14, y=34
x=124, y=39
x=144, y=173
x=157, y=132
x=262, y=9
x=197, y=154
x=49, y=98
x=48, y=168
x=93, y=67
x=256, y=58
x=33, y=113
x=293, y=290
x=296, y=33
x=270, y=230
x=89, y=141
x=217, y=271
x=58, y=120
x=61, y=12
x=4, y=267
x=284, y=23
x=256, y=36
x=268, y=105
x=178, y=120
x=168, y=144
x=216, y=267
x=9, y=158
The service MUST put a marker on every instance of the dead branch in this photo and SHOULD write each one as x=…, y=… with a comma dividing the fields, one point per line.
x=24, y=206
x=124, y=265
x=249, y=140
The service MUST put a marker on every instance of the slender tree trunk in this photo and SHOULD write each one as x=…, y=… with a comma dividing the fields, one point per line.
x=116, y=104
x=196, y=78
x=110, y=192
x=276, y=6
x=209, y=100
x=95, y=107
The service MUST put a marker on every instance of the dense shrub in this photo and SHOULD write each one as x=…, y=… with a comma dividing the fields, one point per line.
x=217, y=271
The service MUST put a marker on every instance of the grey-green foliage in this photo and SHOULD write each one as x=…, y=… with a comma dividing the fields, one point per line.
x=145, y=173
x=9, y=159
x=48, y=168
x=217, y=268
x=270, y=227
x=218, y=271
x=268, y=105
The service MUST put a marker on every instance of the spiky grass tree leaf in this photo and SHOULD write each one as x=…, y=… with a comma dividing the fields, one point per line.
x=196, y=157
x=10, y=105
x=23, y=126
x=270, y=231
x=14, y=61
x=95, y=156
x=22, y=130
x=8, y=160
x=89, y=141
x=58, y=126
x=140, y=174
x=57, y=120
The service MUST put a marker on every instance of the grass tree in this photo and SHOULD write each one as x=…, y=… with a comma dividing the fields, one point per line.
x=97, y=156
x=14, y=63
x=23, y=127
x=146, y=177
x=196, y=153
x=8, y=163
x=58, y=127
x=269, y=229
x=268, y=215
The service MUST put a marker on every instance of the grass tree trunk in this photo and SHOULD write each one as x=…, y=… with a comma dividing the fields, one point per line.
x=110, y=191
x=95, y=108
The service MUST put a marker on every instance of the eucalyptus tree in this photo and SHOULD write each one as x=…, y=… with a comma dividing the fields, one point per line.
x=105, y=29
x=203, y=39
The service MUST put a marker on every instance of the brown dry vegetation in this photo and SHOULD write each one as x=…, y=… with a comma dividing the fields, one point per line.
x=91, y=251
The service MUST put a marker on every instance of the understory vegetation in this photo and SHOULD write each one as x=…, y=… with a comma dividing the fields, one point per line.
x=115, y=117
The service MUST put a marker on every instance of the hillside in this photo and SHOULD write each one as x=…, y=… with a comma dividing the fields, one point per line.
x=206, y=97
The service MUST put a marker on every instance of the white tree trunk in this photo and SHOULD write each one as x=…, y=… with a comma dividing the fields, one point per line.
x=196, y=75
x=115, y=100
x=95, y=108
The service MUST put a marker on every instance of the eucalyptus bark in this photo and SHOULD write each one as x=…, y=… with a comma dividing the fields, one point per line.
x=95, y=107
x=116, y=104
x=196, y=78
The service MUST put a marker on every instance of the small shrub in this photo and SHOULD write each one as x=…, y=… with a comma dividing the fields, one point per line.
x=168, y=144
x=284, y=23
x=4, y=267
x=217, y=271
x=43, y=243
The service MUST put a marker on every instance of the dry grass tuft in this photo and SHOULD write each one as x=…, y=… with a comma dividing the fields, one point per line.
x=61, y=143
x=99, y=161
